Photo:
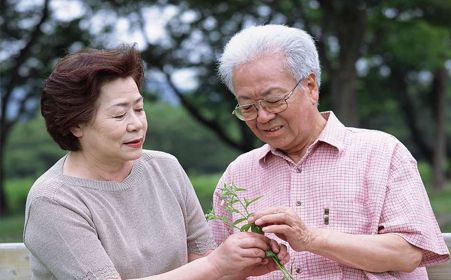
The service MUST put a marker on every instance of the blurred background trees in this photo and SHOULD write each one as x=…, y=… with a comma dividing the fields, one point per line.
x=386, y=65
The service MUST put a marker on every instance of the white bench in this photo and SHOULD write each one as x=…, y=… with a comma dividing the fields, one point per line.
x=14, y=263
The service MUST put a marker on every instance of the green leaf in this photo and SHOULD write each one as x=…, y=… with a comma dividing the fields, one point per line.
x=270, y=254
x=245, y=228
x=256, y=229
x=239, y=221
x=254, y=200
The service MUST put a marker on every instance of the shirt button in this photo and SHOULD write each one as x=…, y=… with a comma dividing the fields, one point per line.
x=298, y=270
x=298, y=203
x=298, y=170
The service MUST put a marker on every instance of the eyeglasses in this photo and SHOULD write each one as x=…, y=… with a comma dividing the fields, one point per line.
x=248, y=112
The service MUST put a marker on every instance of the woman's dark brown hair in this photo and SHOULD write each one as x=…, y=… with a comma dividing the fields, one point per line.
x=72, y=89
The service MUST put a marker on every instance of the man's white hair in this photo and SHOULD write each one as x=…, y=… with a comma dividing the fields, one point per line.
x=298, y=47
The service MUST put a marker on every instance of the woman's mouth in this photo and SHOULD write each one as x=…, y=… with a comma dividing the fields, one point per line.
x=137, y=143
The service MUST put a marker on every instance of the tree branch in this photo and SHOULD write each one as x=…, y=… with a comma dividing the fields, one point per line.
x=18, y=62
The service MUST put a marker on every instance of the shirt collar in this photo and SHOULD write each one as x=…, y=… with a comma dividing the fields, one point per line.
x=333, y=134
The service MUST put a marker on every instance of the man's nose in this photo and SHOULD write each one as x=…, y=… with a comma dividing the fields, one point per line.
x=263, y=115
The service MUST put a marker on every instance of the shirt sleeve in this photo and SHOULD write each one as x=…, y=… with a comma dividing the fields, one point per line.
x=407, y=210
x=65, y=242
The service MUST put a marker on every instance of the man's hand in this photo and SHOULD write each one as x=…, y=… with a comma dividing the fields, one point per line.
x=286, y=225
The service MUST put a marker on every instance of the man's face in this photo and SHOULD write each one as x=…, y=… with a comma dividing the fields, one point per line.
x=266, y=77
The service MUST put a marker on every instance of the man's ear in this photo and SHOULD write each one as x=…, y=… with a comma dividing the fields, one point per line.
x=76, y=131
x=312, y=87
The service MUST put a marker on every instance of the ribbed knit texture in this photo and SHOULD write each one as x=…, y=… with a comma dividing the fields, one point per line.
x=87, y=229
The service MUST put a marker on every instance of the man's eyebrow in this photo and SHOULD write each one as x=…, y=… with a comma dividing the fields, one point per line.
x=264, y=94
x=125, y=104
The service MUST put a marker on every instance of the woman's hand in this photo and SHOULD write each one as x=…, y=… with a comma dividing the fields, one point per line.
x=244, y=254
x=238, y=252
x=286, y=225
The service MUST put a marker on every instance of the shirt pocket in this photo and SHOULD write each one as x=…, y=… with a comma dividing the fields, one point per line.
x=345, y=216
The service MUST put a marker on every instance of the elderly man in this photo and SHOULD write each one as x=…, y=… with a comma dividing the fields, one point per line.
x=350, y=202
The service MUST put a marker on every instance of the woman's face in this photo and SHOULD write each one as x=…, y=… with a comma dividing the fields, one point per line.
x=117, y=132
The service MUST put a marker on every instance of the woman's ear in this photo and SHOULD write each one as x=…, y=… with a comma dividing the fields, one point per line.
x=76, y=131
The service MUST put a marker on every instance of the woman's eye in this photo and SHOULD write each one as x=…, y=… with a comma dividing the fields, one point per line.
x=119, y=116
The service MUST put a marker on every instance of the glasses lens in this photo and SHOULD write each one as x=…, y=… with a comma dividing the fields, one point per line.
x=274, y=106
x=245, y=113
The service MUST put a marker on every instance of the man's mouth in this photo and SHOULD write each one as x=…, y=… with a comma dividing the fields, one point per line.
x=273, y=129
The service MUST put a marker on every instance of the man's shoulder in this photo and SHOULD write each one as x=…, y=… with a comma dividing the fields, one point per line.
x=370, y=136
x=374, y=142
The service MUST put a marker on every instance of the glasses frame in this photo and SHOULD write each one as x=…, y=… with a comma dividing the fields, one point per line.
x=238, y=107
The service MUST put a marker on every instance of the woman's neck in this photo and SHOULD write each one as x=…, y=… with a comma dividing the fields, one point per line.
x=79, y=165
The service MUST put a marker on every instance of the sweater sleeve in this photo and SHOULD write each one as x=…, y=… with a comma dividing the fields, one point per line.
x=65, y=242
x=199, y=237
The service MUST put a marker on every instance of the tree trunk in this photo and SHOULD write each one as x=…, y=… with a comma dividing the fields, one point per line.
x=439, y=153
x=344, y=95
x=346, y=23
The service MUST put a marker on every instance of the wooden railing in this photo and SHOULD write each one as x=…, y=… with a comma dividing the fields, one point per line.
x=14, y=263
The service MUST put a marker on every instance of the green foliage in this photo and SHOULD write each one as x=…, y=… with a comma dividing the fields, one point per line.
x=235, y=205
x=17, y=190
x=30, y=150
x=11, y=228
x=172, y=130
x=204, y=185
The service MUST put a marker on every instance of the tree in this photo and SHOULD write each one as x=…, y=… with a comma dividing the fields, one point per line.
x=32, y=39
x=414, y=52
x=348, y=33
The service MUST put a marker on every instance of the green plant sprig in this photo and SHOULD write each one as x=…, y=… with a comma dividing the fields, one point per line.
x=229, y=198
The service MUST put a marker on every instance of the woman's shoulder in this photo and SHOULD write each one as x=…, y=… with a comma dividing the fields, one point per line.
x=154, y=154
x=154, y=157
x=50, y=181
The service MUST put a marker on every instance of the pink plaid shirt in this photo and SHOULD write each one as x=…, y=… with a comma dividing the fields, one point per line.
x=367, y=180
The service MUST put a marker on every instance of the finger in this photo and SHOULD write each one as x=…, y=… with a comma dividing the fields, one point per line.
x=267, y=211
x=285, y=230
x=278, y=218
x=283, y=255
x=253, y=253
x=249, y=261
x=274, y=246
x=257, y=241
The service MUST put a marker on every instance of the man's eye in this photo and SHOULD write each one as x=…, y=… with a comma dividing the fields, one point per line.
x=245, y=108
x=274, y=100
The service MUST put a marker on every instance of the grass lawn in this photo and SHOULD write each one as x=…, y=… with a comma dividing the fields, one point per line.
x=11, y=227
x=441, y=204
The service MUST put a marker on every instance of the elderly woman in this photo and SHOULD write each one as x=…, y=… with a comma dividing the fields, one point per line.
x=109, y=209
